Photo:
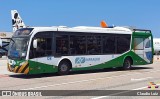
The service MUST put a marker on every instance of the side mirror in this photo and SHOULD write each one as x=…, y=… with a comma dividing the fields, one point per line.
x=35, y=43
x=0, y=42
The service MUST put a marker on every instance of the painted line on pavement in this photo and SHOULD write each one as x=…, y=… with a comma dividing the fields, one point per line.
x=141, y=79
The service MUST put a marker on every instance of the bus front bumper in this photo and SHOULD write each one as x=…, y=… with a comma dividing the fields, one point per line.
x=24, y=68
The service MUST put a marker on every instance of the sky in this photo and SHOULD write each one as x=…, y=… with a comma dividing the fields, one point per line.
x=142, y=14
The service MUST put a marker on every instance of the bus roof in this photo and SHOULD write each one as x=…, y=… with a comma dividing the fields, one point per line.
x=87, y=29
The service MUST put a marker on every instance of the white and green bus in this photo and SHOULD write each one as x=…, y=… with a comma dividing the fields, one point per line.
x=61, y=49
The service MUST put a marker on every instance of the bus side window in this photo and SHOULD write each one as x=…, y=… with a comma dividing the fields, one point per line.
x=148, y=43
x=123, y=43
x=72, y=47
x=108, y=44
x=62, y=42
x=40, y=50
x=44, y=45
x=94, y=44
x=77, y=45
x=43, y=48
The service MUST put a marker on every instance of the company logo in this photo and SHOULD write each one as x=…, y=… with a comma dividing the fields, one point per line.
x=80, y=60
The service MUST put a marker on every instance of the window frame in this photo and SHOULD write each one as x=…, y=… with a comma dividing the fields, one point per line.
x=42, y=35
x=90, y=34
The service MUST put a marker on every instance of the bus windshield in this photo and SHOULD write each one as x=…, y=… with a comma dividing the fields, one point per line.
x=18, y=48
x=23, y=32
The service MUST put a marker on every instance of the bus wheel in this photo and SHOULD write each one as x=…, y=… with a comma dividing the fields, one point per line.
x=63, y=68
x=127, y=64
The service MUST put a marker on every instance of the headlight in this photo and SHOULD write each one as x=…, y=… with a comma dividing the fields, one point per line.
x=11, y=62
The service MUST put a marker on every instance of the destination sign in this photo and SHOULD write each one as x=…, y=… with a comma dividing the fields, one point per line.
x=22, y=32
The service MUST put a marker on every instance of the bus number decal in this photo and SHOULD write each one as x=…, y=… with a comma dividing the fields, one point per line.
x=49, y=58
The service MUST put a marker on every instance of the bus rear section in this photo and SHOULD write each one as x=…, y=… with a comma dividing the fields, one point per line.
x=143, y=46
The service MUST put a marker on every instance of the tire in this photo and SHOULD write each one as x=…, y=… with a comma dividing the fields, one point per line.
x=63, y=68
x=127, y=64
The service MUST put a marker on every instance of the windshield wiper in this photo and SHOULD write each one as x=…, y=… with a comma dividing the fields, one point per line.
x=12, y=40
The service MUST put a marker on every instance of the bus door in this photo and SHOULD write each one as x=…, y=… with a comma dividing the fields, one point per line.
x=143, y=48
x=44, y=51
x=42, y=55
x=37, y=54
x=148, y=55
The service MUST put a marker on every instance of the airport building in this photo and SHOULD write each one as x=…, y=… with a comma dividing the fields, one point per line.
x=5, y=36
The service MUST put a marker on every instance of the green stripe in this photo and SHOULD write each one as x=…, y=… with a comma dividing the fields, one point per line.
x=37, y=68
x=117, y=62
